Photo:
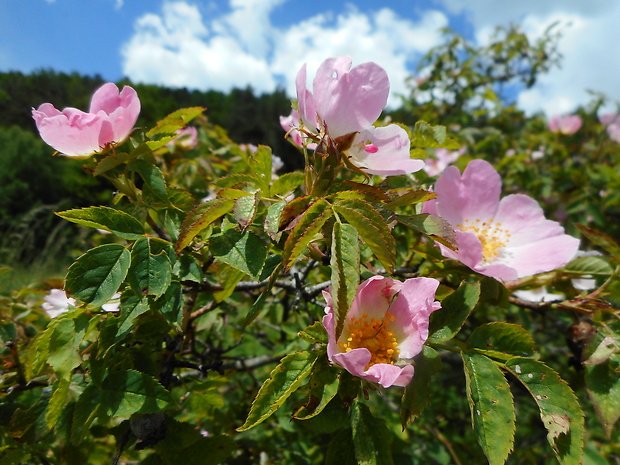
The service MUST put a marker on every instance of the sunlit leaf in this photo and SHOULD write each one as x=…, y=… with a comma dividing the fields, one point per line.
x=116, y=221
x=502, y=340
x=200, y=218
x=282, y=382
x=345, y=271
x=447, y=322
x=308, y=226
x=433, y=226
x=323, y=388
x=371, y=227
x=151, y=271
x=96, y=276
x=559, y=408
x=242, y=250
x=492, y=408
x=603, y=386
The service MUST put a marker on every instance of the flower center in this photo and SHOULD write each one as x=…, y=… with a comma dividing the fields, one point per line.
x=490, y=234
x=372, y=334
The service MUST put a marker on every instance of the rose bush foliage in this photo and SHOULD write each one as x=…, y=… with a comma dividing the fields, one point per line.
x=354, y=312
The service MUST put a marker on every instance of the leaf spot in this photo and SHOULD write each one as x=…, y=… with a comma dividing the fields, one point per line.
x=518, y=369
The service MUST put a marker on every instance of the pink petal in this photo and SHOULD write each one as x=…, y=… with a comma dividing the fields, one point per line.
x=544, y=255
x=374, y=297
x=474, y=194
x=349, y=101
x=72, y=132
x=305, y=101
x=391, y=156
x=523, y=217
x=390, y=375
x=354, y=361
x=412, y=309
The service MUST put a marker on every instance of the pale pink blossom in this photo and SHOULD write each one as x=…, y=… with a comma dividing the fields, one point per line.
x=343, y=100
x=385, y=327
x=505, y=239
x=56, y=303
x=567, y=124
x=342, y=106
x=113, y=305
x=612, y=121
x=538, y=154
x=290, y=124
x=74, y=133
x=186, y=139
x=443, y=158
x=383, y=151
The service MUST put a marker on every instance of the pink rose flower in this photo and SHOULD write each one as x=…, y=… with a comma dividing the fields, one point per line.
x=290, y=124
x=386, y=326
x=74, y=133
x=343, y=100
x=187, y=139
x=567, y=124
x=505, y=239
x=612, y=121
x=443, y=159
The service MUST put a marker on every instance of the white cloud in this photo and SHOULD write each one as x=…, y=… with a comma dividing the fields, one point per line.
x=590, y=60
x=242, y=47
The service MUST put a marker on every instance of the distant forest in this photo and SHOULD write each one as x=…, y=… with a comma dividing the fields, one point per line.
x=30, y=178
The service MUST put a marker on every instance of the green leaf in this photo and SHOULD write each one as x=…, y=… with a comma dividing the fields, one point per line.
x=603, y=386
x=200, y=218
x=308, y=226
x=272, y=220
x=116, y=221
x=151, y=271
x=590, y=265
x=261, y=162
x=447, y=322
x=345, y=271
x=245, y=210
x=132, y=307
x=85, y=411
x=314, y=334
x=57, y=402
x=433, y=226
x=96, y=275
x=559, y=408
x=372, y=228
x=406, y=196
x=418, y=393
x=371, y=437
x=124, y=393
x=323, y=388
x=228, y=278
x=153, y=179
x=492, y=408
x=112, y=160
x=244, y=251
x=64, y=354
x=286, y=183
x=426, y=135
x=502, y=340
x=292, y=210
x=282, y=382
x=175, y=120
x=602, y=240
x=350, y=189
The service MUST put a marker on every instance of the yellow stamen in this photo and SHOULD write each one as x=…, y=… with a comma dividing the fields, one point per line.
x=372, y=334
x=491, y=235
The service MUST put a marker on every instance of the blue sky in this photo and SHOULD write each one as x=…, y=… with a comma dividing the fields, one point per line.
x=221, y=44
